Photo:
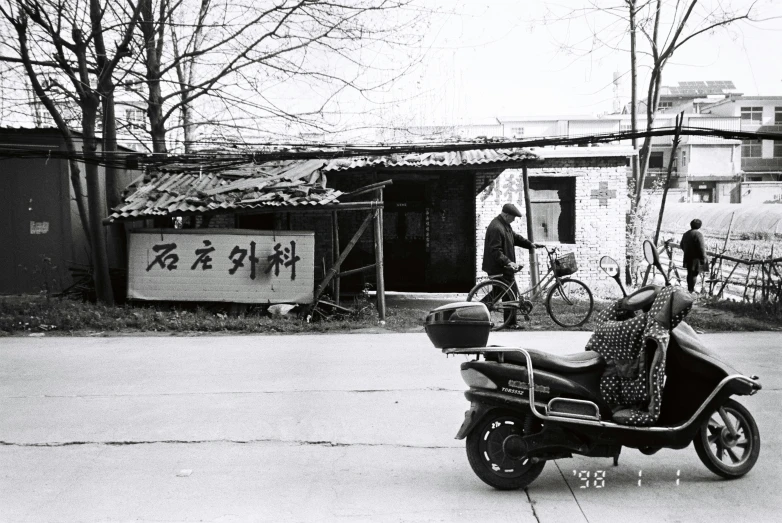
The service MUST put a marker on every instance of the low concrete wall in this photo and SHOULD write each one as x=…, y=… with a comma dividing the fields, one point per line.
x=761, y=192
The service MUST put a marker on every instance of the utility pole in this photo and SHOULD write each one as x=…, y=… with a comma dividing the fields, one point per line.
x=533, y=260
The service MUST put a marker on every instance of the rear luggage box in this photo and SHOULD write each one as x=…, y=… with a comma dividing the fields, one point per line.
x=459, y=325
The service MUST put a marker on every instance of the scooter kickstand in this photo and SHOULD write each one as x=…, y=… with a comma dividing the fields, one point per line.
x=616, y=457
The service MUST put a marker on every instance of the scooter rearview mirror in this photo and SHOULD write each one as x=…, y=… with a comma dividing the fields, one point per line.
x=652, y=258
x=611, y=267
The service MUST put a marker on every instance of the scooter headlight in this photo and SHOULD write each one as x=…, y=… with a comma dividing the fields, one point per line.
x=477, y=380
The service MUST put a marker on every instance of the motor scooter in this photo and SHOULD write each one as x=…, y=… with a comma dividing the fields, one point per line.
x=529, y=406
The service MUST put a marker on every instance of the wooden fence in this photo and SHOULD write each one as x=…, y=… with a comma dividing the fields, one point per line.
x=752, y=280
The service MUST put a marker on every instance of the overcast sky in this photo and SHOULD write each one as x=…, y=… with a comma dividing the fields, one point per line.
x=507, y=58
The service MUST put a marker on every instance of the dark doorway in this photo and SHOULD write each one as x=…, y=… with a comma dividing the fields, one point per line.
x=404, y=235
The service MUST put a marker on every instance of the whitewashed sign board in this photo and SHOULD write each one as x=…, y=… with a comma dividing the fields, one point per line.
x=227, y=265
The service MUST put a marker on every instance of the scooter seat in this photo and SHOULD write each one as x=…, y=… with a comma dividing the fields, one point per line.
x=575, y=363
x=641, y=299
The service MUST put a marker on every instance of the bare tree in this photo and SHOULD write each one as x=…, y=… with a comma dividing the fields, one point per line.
x=230, y=53
x=666, y=26
x=682, y=26
x=70, y=51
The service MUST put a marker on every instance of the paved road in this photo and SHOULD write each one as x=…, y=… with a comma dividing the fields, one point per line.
x=352, y=427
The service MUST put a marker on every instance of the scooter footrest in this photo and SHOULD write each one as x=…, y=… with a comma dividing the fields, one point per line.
x=570, y=408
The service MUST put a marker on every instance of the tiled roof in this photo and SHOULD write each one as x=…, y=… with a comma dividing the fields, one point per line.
x=179, y=189
x=441, y=159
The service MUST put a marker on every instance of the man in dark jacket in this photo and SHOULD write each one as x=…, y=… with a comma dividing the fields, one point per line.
x=694, y=247
x=499, y=253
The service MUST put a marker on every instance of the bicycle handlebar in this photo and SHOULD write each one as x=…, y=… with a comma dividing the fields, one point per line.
x=550, y=251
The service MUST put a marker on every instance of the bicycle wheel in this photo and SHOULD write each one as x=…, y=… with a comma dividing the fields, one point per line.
x=569, y=303
x=497, y=296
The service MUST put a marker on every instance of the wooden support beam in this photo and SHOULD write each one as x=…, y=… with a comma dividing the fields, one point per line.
x=335, y=250
x=335, y=268
x=724, y=283
x=381, y=285
x=749, y=271
x=368, y=188
x=351, y=272
x=733, y=258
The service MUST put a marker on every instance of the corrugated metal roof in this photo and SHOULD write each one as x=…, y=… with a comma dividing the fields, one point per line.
x=441, y=159
x=224, y=184
x=180, y=189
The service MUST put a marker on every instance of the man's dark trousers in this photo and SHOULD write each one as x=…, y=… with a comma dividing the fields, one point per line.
x=693, y=270
x=510, y=279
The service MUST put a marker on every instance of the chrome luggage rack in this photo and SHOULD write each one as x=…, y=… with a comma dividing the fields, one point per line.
x=581, y=419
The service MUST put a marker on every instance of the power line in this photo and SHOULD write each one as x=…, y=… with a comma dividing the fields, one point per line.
x=269, y=151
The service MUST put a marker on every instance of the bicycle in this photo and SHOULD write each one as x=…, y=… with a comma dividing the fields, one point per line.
x=569, y=302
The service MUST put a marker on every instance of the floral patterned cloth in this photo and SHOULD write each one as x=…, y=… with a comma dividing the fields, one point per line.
x=634, y=346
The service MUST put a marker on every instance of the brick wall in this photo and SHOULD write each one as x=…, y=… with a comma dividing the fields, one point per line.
x=600, y=208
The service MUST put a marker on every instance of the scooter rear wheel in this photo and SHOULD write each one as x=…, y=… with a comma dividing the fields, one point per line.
x=728, y=443
x=490, y=455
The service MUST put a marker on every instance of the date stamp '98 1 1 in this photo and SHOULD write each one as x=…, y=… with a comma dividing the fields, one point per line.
x=597, y=479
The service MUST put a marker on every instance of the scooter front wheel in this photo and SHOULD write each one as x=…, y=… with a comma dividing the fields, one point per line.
x=728, y=443
x=494, y=452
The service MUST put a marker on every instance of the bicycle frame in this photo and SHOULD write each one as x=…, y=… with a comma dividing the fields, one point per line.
x=535, y=291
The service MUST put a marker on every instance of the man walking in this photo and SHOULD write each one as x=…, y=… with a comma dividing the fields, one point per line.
x=499, y=253
x=694, y=247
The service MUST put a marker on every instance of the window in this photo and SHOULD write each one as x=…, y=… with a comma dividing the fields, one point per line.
x=656, y=160
x=664, y=104
x=684, y=158
x=553, y=205
x=751, y=149
x=777, y=148
x=517, y=132
x=752, y=114
x=777, y=115
x=135, y=117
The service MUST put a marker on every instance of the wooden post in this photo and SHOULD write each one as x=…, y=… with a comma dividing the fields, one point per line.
x=381, y=286
x=767, y=285
x=725, y=283
x=669, y=250
x=755, y=288
x=533, y=260
x=724, y=248
x=749, y=271
x=770, y=274
x=335, y=251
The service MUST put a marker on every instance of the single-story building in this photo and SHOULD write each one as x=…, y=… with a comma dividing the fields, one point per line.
x=435, y=212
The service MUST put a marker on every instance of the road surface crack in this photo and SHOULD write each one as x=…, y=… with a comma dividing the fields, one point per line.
x=229, y=392
x=532, y=505
x=571, y=492
x=208, y=441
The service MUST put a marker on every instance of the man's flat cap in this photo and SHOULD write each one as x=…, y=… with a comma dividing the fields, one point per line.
x=511, y=209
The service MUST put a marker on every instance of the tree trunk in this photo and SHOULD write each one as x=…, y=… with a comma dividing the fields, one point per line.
x=78, y=192
x=187, y=127
x=152, y=63
x=633, y=89
x=113, y=186
x=96, y=206
x=113, y=190
x=652, y=101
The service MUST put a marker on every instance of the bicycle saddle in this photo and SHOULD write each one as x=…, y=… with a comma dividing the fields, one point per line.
x=641, y=299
